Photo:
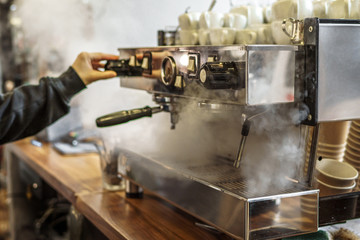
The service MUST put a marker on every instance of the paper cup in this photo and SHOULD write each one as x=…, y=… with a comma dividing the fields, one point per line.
x=335, y=173
x=334, y=132
x=327, y=190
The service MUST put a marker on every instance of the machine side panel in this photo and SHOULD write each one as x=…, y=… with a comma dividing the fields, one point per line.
x=271, y=76
x=339, y=71
x=211, y=205
x=278, y=217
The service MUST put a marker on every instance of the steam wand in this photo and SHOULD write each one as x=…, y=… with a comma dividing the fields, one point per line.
x=244, y=133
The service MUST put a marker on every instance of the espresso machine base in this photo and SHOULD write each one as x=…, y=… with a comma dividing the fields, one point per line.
x=281, y=92
x=220, y=196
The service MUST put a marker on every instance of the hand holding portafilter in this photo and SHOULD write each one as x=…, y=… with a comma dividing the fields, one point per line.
x=87, y=66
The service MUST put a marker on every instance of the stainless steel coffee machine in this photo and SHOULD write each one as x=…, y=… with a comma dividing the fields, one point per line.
x=241, y=118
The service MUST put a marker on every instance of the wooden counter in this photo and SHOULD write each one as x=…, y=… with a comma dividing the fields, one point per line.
x=78, y=179
x=69, y=175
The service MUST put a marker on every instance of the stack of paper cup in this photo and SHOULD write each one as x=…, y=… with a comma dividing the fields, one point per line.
x=352, y=151
x=308, y=136
x=333, y=177
x=332, y=141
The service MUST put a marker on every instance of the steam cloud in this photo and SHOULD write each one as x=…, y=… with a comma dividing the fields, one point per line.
x=63, y=28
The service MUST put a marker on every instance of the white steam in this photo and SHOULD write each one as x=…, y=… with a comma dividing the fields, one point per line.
x=68, y=27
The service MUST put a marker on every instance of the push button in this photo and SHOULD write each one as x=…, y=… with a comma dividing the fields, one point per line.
x=191, y=65
x=145, y=63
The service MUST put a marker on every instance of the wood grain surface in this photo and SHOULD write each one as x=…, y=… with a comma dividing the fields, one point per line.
x=147, y=218
x=78, y=179
x=69, y=175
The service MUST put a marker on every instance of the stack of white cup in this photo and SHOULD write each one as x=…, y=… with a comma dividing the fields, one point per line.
x=220, y=29
x=254, y=24
x=257, y=31
x=210, y=28
x=284, y=9
x=337, y=9
x=300, y=9
x=189, y=25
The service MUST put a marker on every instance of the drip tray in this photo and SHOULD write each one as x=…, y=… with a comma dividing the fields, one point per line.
x=222, y=197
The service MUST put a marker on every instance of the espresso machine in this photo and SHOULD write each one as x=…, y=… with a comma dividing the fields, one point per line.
x=241, y=118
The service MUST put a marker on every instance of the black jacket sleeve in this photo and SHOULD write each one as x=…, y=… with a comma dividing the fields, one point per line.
x=28, y=109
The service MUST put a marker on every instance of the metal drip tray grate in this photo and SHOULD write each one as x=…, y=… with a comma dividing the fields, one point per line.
x=223, y=196
x=228, y=178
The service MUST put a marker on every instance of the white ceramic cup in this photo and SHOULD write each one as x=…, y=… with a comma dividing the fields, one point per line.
x=337, y=9
x=298, y=9
x=222, y=36
x=264, y=33
x=278, y=34
x=189, y=20
x=211, y=20
x=235, y=20
x=189, y=37
x=267, y=14
x=280, y=10
x=253, y=13
x=353, y=8
x=204, y=36
x=245, y=36
x=320, y=8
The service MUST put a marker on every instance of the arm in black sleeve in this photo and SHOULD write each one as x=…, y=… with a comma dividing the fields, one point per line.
x=29, y=109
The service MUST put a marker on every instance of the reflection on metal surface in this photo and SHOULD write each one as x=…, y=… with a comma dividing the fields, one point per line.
x=236, y=68
x=236, y=208
x=339, y=84
x=271, y=77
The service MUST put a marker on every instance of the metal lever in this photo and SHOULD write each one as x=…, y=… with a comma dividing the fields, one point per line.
x=123, y=67
x=244, y=133
x=126, y=115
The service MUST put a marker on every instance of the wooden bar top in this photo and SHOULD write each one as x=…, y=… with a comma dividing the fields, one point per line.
x=68, y=175
x=78, y=179
x=147, y=218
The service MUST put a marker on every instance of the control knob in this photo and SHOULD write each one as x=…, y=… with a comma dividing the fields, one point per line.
x=168, y=71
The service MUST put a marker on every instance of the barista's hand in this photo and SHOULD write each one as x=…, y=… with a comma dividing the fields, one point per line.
x=86, y=66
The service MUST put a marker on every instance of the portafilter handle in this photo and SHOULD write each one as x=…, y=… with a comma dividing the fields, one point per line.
x=126, y=115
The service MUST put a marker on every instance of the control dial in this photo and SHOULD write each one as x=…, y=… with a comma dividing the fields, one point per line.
x=168, y=71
